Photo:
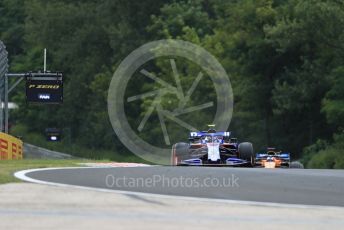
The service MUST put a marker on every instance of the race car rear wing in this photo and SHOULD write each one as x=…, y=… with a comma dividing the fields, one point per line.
x=203, y=133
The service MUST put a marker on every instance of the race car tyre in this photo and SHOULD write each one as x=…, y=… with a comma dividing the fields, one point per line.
x=296, y=165
x=246, y=152
x=178, y=151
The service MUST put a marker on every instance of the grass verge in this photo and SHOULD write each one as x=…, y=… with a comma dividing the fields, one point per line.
x=9, y=167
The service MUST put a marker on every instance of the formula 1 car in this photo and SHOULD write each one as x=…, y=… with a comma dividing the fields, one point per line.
x=273, y=158
x=212, y=148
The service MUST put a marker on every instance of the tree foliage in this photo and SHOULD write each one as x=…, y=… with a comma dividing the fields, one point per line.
x=284, y=59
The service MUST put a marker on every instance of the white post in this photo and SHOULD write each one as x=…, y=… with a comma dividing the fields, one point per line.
x=45, y=60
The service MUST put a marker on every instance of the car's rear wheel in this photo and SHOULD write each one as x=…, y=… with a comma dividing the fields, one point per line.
x=179, y=151
x=246, y=152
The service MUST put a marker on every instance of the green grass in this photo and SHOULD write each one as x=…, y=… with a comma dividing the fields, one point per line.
x=9, y=167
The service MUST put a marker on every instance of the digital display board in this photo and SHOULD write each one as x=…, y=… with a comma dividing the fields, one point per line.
x=44, y=89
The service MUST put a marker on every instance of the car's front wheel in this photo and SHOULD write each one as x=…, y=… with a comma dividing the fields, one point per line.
x=246, y=152
x=296, y=165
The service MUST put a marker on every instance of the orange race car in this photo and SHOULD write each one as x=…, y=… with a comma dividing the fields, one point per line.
x=273, y=158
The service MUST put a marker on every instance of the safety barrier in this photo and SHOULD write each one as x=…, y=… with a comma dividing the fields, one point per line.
x=11, y=148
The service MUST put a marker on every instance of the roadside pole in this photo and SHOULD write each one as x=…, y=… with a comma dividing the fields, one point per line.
x=7, y=91
x=6, y=103
x=3, y=82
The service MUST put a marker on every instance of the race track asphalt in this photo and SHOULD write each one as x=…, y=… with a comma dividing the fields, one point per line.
x=289, y=186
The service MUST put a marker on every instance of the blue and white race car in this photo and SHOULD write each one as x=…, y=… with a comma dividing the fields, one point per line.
x=212, y=148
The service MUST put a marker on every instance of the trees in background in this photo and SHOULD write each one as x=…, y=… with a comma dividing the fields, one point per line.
x=284, y=58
